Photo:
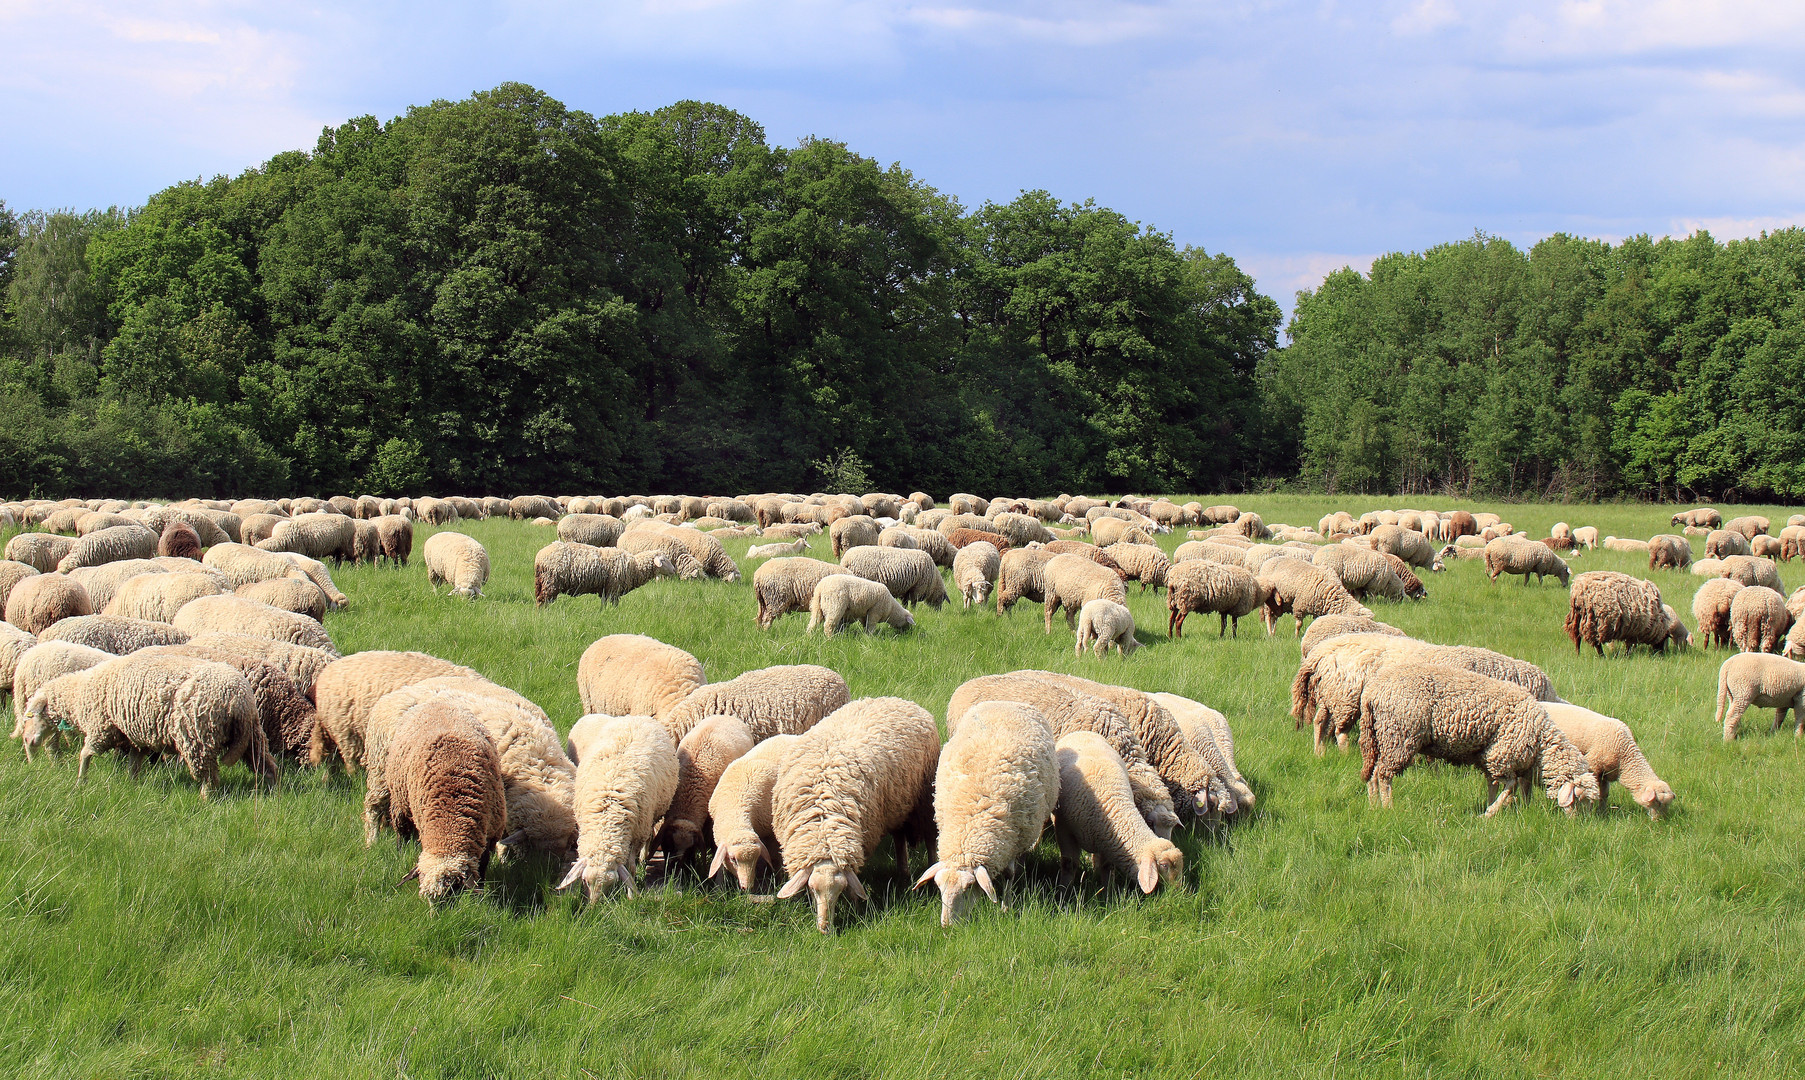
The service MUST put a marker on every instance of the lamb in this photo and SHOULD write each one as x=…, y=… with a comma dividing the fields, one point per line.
x=158, y=597
x=1508, y=555
x=1105, y=623
x=40, y=551
x=1752, y=571
x=199, y=710
x=1612, y=754
x=862, y=773
x=975, y=571
x=771, y=551
x=179, y=541
x=317, y=536
x=234, y=614
x=131, y=541
x=296, y=594
x=347, y=689
x=1764, y=680
x=635, y=675
x=459, y=560
x=1095, y=813
x=702, y=758
x=782, y=586
x=116, y=634
x=781, y=700
x=36, y=666
x=1758, y=619
x=1724, y=542
x=37, y=602
x=1143, y=563
x=1067, y=710
x=566, y=569
x=1586, y=536
x=1711, y=609
x=1021, y=575
x=1606, y=606
x=1303, y=590
x=911, y=576
x=1464, y=718
x=1330, y=627
x=842, y=600
x=1072, y=581
x=298, y=662
x=995, y=787
x=624, y=784
x=741, y=810
x=596, y=530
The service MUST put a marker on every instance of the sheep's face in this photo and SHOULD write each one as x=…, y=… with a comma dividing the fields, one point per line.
x=980, y=591
x=1163, y=821
x=681, y=837
x=1581, y=789
x=442, y=877
x=1655, y=799
x=36, y=724
x=825, y=883
x=1160, y=861
x=901, y=620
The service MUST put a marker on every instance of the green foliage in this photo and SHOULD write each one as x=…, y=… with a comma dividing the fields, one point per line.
x=844, y=471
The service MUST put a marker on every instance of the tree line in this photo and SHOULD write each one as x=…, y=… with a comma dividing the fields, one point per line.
x=504, y=295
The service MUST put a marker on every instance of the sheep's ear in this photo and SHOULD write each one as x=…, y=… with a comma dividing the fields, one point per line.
x=411, y=875
x=720, y=860
x=512, y=838
x=575, y=872
x=765, y=854
x=794, y=885
x=854, y=887
x=927, y=876
x=1565, y=796
x=1149, y=874
x=983, y=876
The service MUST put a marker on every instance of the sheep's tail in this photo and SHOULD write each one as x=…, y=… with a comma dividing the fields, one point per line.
x=1302, y=692
x=1572, y=625
x=1723, y=698
x=543, y=592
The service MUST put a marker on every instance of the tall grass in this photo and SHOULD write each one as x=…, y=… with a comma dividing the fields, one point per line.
x=144, y=933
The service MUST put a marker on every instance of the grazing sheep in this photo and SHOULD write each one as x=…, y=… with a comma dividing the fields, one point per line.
x=741, y=810
x=37, y=602
x=459, y=560
x=1508, y=555
x=241, y=565
x=1197, y=784
x=40, y=551
x=850, y=532
x=995, y=787
x=864, y=772
x=1764, y=680
x=635, y=675
x=707, y=551
x=258, y=527
x=1749, y=527
x=975, y=571
x=1586, y=536
x=347, y=689
x=1724, y=542
x=565, y=569
x=625, y=783
x=116, y=634
x=1095, y=812
x=1792, y=543
x=234, y=614
x=1105, y=623
x=179, y=541
x=702, y=758
x=842, y=600
x=911, y=576
x=158, y=597
x=201, y=711
x=1703, y=516
x=298, y=662
x=1304, y=591
x=1021, y=575
x=103, y=582
x=1612, y=754
x=394, y=539
x=1758, y=619
x=528, y=507
x=1143, y=563
x=596, y=530
x=1669, y=552
x=1708, y=568
x=1626, y=545
x=781, y=700
x=797, y=531
x=1606, y=606
x=295, y=594
x=770, y=551
x=1072, y=581
x=1208, y=732
x=1330, y=627
x=1411, y=546
x=662, y=541
x=1364, y=573
x=131, y=541
x=1223, y=589
x=1766, y=547
x=1457, y=716
x=286, y=714
x=36, y=666
x=959, y=538
x=11, y=573
x=1090, y=551
x=317, y=536
x=1752, y=571
x=1711, y=609
x=1109, y=531
x=782, y=586
x=14, y=643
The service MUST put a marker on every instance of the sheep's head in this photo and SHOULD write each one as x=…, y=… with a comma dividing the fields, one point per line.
x=1158, y=860
x=680, y=836
x=900, y=619
x=825, y=882
x=743, y=857
x=600, y=875
x=1582, y=788
x=1677, y=634
x=955, y=884
x=442, y=877
x=1655, y=797
x=36, y=724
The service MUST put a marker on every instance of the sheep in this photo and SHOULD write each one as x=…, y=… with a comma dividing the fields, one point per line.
x=1750, y=527
x=1209, y=735
x=1758, y=619
x=851, y=532
x=1669, y=552
x=1508, y=555
x=995, y=788
x=158, y=597
x=1108, y=531
x=702, y=758
x=1095, y=813
x=961, y=503
x=37, y=602
x=14, y=643
x=1586, y=536
x=294, y=594
x=179, y=541
x=259, y=527
x=1724, y=542
x=1413, y=547
x=959, y=538
x=40, y=551
x=201, y=711
x=770, y=551
x=782, y=586
x=1463, y=718
x=781, y=700
x=635, y=675
x=1764, y=680
x=800, y=531
x=459, y=560
x=843, y=600
x=911, y=576
x=348, y=688
x=37, y=665
x=1703, y=516
x=317, y=536
x=1072, y=581
x=1795, y=603
x=1105, y=623
x=394, y=539
x=1711, y=609
x=1766, y=547
x=1067, y=710
x=234, y=614
x=624, y=784
x=707, y=552
x=1021, y=575
x=1364, y=573
x=285, y=712
x=1607, y=606
x=1612, y=754
x=1752, y=571
x=528, y=507
x=1792, y=543
x=741, y=810
x=1626, y=545
x=116, y=634
x=435, y=511
x=566, y=569
x=11, y=573
x=1021, y=529
x=1303, y=590
x=596, y=530
x=241, y=565
x=975, y=571
x=864, y=772
x=298, y=662
x=1708, y=568
x=1143, y=563
x=934, y=543
x=1330, y=627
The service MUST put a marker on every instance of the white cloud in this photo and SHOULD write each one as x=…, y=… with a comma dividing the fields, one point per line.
x=1733, y=228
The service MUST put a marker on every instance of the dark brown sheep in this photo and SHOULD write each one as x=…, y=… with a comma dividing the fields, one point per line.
x=444, y=786
x=179, y=541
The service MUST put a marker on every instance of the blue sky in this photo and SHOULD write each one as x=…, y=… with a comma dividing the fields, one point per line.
x=1297, y=137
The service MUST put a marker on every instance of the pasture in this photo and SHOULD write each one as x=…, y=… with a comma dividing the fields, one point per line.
x=145, y=933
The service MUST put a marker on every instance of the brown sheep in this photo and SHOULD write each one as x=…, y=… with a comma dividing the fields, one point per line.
x=179, y=541
x=958, y=538
x=1758, y=619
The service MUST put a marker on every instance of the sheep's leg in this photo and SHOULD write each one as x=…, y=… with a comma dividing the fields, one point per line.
x=1733, y=719
x=1604, y=794
x=1780, y=718
x=1051, y=604
x=1070, y=854
x=1505, y=797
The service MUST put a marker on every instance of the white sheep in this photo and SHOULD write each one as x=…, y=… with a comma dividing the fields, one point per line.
x=624, y=784
x=784, y=585
x=347, y=689
x=702, y=757
x=741, y=811
x=234, y=614
x=844, y=600
x=1096, y=813
x=1103, y=624
x=1612, y=754
x=566, y=569
x=975, y=570
x=456, y=559
x=635, y=675
x=1764, y=680
x=772, y=551
x=786, y=699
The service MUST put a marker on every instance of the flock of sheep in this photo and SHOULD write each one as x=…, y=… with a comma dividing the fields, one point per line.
x=195, y=630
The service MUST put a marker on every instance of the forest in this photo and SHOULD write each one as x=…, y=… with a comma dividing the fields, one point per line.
x=503, y=295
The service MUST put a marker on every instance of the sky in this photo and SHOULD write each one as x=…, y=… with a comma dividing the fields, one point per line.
x=1296, y=137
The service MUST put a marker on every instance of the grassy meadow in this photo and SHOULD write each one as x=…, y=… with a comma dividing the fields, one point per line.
x=144, y=933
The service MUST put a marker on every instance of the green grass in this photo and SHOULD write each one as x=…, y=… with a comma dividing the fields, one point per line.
x=144, y=933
